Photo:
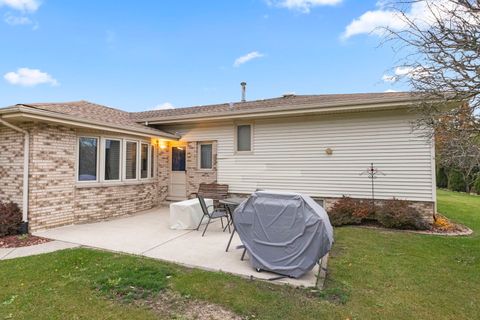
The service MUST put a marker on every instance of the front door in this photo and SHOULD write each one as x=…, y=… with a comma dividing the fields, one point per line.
x=178, y=188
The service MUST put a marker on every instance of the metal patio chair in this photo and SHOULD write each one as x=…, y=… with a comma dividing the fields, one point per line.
x=218, y=213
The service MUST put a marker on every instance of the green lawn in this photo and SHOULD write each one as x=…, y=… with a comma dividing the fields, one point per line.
x=373, y=275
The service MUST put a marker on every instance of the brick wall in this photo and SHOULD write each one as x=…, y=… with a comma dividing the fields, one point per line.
x=11, y=165
x=99, y=203
x=195, y=176
x=55, y=199
x=163, y=172
x=52, y=176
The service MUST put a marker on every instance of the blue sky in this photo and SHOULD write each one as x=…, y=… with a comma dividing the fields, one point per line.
x=138, y=55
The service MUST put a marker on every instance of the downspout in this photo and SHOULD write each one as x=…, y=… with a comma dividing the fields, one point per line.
x=26, y=153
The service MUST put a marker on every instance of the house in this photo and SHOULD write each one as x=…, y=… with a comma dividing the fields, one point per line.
x=67, y=163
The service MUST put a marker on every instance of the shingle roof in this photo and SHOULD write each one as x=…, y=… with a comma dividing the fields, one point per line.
x=88, y=111
x=274, y=104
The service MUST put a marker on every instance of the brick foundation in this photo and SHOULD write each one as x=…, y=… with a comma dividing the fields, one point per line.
x=426, y=209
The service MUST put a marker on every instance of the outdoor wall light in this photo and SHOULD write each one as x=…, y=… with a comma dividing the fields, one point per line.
x=329, y=151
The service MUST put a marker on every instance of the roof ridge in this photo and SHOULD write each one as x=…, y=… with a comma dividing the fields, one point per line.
x=72, y=103
x=248, y=102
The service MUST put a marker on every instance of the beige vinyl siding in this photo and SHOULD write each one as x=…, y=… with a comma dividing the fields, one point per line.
x=289, y=154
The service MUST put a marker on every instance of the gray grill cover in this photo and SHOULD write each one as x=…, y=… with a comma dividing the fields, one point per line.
x=286, y=233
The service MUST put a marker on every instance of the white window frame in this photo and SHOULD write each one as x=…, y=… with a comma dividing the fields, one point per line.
x=124, y=177
x=148, y=161
x=235, y=135
x=77, y=162
x=101, y=143
x=102, y=160
x=199, y=156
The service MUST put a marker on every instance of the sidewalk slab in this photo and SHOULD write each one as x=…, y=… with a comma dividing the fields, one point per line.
x=38, y=249
x=5, y=251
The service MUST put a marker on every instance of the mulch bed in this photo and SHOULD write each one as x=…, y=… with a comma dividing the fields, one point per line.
x=21, y=241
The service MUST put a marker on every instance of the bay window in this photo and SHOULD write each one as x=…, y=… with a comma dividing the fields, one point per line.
x=131, y=160
x=114, y=160
x=87, y=159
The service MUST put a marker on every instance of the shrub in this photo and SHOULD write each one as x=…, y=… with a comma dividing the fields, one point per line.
x=10, y=219
x=399, y=214
x=476, y=185
x=442, y=179
x=350, y=211
x=456, y=182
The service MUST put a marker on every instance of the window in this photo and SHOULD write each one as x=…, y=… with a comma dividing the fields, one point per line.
x=152, y=161
x=87, y=159
x=144, y=161
x=112, y=160
x=206, y=160
x=130, y=160
x=244, y=137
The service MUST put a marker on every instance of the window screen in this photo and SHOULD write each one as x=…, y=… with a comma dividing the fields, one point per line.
x=87, y=159
x=206, y=156
x=244, y=138
x=131, y=160
x=112, y=159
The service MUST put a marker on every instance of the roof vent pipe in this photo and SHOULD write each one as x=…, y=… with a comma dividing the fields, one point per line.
x=244, y=87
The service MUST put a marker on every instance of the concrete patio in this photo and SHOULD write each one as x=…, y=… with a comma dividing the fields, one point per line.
x=148, y=234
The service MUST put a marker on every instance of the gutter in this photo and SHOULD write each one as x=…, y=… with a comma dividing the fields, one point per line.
x=26, y=157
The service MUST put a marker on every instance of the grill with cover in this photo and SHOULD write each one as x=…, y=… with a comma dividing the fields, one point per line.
x=285, y=233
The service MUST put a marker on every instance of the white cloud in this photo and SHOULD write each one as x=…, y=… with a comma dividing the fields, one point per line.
x=390, y=91
x=423, y=13
x=389, y=78
x=249, y=56
x=372, y=22
x=164, y=106
x=302, y=5
x=22, y=5
x=29, y=77
x=17, y=20
x=402, y=72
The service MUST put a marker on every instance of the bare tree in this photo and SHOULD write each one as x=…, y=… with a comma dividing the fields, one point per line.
x=441, y=58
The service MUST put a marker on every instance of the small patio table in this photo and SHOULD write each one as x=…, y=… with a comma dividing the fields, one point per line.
x=231, y=204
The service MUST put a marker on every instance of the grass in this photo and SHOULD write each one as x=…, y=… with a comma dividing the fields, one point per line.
x=373, y=275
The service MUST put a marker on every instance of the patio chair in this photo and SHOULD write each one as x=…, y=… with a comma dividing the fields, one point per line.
x=214, y=214
x=213, y=191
